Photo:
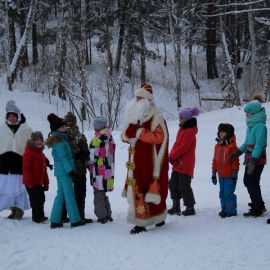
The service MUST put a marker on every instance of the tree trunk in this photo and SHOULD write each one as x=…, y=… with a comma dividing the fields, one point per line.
x=34, y=43
x=121, y=33
x=24, y=59
x=211, y=43
x=142, y=42
x=23, y=42
x=253, y=49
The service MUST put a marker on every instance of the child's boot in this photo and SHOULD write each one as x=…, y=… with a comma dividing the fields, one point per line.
x=190, y=211
x=175, y=210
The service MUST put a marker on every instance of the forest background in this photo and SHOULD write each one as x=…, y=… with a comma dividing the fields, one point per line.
x=94, y=54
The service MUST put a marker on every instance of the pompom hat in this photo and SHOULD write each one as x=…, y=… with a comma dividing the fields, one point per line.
x=145, y=91
x=100, y=122
x=55, y=122
x=189, y=113
x=12, y=109
x=255, y=105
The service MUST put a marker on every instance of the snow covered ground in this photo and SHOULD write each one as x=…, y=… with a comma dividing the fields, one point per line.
x=203, y=241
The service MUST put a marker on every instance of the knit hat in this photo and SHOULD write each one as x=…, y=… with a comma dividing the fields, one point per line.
x=228, y=128
x=12, y=109
x=70, y=118
x=145, y=91
x=35, y=136
x=99, y=122
x=55, y=122
x=255, y=105
x=189, y=113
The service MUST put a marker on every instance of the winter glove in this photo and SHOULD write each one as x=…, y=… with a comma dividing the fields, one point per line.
x=73, y=175
x=172, y=161
x=131, y=132
x=251, y=165
x=214, y=177
x=234, y=177
x=135, y=126
x=48, y=164
x=234, y=155
x=46, y=187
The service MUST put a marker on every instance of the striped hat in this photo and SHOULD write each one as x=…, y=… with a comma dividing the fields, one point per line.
x=145, y=91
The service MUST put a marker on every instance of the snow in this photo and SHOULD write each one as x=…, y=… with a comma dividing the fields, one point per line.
x=203, y=241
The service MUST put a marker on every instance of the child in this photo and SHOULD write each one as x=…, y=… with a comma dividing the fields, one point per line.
x=254, y=148
x=102, y=152
x=64, y=171
x=182, y=157
x=35, y=175
x=227, y=172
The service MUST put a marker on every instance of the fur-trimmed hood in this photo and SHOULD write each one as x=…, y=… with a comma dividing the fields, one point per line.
x=31, y=144
x=53, y=139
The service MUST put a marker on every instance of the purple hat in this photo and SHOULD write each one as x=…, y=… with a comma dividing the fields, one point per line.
x=188, y=113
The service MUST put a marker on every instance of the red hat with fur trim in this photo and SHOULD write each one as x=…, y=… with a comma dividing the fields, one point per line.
x=145, y=91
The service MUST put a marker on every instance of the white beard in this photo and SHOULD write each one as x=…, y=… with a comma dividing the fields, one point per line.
x=136, y=111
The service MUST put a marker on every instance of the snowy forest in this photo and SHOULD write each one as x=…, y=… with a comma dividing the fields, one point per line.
x=89, y=52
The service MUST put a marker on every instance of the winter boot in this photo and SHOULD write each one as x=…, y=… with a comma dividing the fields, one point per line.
x=79, y=223
x=88, y=220
x=56, y=225
x=13, y=212
x=253, y=213
x=109, y=219
x=268, y=221
x=225, y=215
x=102, y=220
x=175, y=210
x=160, y=223
x=19, y=214
x=221, y=213
x=137, y=229
x=190, y=211
x=252, y=207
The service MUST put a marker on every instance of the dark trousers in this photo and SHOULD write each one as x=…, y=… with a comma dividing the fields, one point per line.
x=180, y=187
x=37, y=200
x=252, y=183
x=80, y=195
x=102, y=204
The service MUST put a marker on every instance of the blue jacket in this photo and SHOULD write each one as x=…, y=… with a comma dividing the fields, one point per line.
x=61, y=152
x=256, y=137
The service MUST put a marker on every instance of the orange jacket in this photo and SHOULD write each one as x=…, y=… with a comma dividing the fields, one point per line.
x=221, y=154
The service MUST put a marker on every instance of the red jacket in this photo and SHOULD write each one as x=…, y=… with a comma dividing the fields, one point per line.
x=183, y=150
x=221, y=154
x=34, y=166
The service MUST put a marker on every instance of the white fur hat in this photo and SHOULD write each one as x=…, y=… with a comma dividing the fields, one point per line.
x=145, y=91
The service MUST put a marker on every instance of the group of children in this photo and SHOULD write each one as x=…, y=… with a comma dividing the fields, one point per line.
x=72, y=157
x=225, y=162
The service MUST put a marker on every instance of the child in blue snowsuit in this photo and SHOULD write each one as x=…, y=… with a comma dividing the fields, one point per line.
x=64, y=171
x=227, y=172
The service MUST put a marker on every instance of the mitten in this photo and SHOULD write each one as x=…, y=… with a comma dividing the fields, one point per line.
x=46, y=187
x=135, y=126
x=172, y=161
x=131, y=132
x=234, y=155
x=251, y=165
x=73, y=175
x=214, y=177
x=234, y=177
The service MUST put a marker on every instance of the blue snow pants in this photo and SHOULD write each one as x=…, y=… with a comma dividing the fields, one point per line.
x=226, y=195
x=65, y=193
